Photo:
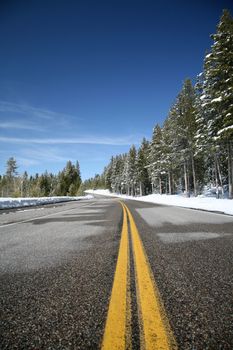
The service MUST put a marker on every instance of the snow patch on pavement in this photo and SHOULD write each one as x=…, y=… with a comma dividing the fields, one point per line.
x=186, y=237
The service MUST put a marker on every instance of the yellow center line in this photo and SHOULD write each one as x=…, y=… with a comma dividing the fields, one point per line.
x=155, y=328
x=116, y=335
x=155, y=331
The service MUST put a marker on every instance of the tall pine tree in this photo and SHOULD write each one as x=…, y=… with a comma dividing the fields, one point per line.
x=217, y=91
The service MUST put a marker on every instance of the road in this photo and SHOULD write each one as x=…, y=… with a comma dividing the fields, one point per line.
x=101, y=274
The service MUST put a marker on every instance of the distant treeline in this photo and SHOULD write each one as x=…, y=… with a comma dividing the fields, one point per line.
x=67, y=182
x=194, y=146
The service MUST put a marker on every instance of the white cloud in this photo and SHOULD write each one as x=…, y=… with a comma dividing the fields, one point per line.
x=29, y=157
x=23, y=125
x=114, y=141
x=47, y=154
x=25, y=162
x=31, y=111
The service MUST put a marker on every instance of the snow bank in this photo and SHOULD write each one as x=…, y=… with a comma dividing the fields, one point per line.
x=6, y=203
x=202, y=203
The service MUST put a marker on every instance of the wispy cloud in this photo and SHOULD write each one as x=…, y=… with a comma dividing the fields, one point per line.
x=23, y=125
x=39, y=153
x=25, y=162
x=114, y=141
x=28, y=110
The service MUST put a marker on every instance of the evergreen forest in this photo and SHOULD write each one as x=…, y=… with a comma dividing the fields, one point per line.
x=191, y=151
x=66, y=183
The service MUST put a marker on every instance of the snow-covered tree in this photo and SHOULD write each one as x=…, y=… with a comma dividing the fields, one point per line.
x=169, y=156
x=129, y=173
x=217, y=91
x=155, y=166
x=142, y=167
x=116, y=173
x=108, y=175
x=179, y=138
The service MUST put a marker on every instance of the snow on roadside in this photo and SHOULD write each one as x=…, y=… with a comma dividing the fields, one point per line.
x=203, y=203
x=7, y=203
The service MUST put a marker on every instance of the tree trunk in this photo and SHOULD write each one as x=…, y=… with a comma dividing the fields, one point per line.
x=216, y=177
x=166, y=185
x=194, y=176
x=219, y=173
x=160, y=185
x=169, y=183
x=132, y=190
x=230, y=170
x=186, y=179
x=140, y=188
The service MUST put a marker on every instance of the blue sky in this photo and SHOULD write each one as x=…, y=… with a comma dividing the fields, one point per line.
x=83, y=80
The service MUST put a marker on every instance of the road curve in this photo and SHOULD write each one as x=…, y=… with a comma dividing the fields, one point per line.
x=58, y=267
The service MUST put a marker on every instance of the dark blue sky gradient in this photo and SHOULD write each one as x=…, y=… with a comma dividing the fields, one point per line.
x=109, y=68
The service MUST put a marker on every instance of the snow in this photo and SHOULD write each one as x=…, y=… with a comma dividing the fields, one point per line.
x=203, y=203
x=225, y=129
x=6, y=203
x=218, y=99
x=203, y=97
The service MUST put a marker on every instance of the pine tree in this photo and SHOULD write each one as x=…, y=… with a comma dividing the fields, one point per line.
x=207, y=151
x=116, y=174
x=108, y=175
x=183, y=120
x=24, y=185
x=125, y=176
x=142, y=169
x=217, y=91
x=11, y=172
x=129, y=176
x=169, y=156
x=78, y=179
x=69, y=180
x=11, y=168
x=4, y=186
x=156, y=159
x=44, y=184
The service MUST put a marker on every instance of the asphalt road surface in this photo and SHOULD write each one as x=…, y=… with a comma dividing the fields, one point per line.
x=72, y=275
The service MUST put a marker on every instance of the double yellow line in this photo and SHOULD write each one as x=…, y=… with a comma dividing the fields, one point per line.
x=155, y=332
